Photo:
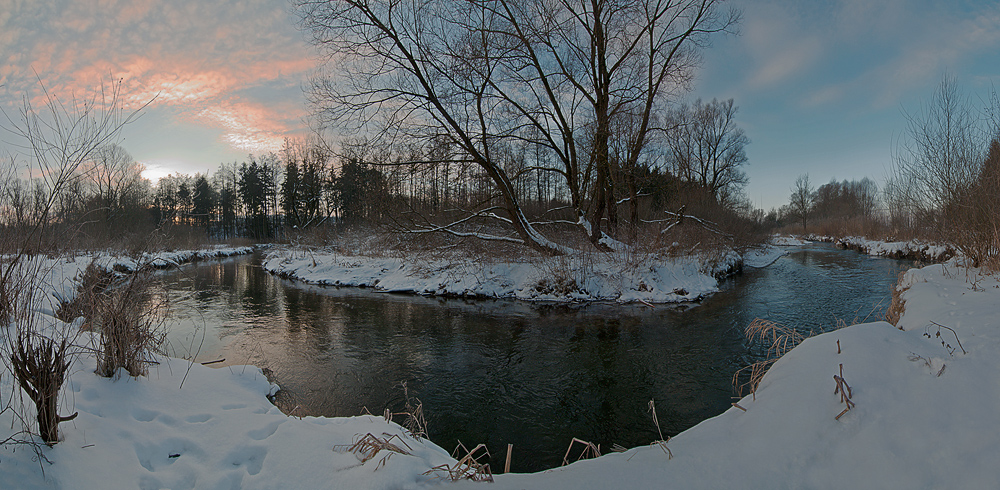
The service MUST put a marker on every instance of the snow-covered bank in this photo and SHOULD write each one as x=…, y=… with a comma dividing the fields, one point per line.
x=167, y=259
x=618, y=276
x=60, y=273
x=216, y=431
x=924, y=413
x=924, y=417
x=912, y=249
x=768, y=254
x=578, y=277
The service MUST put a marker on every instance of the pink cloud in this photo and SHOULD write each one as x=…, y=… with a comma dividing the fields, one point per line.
x=249, y=127
x=204, y=58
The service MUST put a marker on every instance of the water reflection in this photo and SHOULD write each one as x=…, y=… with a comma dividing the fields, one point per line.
x=501, y=372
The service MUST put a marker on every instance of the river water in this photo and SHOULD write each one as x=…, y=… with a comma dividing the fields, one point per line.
x=507, y=372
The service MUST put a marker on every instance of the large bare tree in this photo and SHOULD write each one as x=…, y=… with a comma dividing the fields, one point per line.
x=488, y=75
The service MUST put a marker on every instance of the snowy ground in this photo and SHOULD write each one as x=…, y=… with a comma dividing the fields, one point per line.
x=616, y=276
x=60, y=273
x=924, y=418
x=766, y=255
x=912, y=249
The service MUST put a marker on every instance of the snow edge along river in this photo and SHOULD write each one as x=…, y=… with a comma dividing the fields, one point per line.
x=923, y=417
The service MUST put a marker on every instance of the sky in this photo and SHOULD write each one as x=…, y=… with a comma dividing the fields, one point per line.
x=822, y=86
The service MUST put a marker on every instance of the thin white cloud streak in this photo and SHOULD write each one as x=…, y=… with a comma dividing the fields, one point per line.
x=824, y=53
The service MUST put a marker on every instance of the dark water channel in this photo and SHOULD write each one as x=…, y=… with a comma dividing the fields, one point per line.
x=499, y=372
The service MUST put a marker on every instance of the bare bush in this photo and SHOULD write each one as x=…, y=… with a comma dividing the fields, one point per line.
x=131, y=325
x=58, y=139
x=976, y=226
x=40, y=366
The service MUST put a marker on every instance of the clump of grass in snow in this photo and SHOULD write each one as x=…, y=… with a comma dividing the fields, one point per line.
x=778, y=338
x=468, y=467
x=131, y=325
x=369, y=445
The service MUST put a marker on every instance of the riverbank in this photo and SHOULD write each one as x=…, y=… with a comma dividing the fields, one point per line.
x=617, y=277
x=922, y=413
x=908, y=250
x=922, y=418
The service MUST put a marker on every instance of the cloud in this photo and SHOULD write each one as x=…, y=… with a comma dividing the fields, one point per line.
x=203, y=57
x=787, y=64
x=875, y=54
x=248, y=127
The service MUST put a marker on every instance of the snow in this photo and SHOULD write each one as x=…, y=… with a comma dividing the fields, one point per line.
x=924, y=416
x=577, y=277
x=216, y=430
x=768, y=254
x=787, y=241
x=914, y=249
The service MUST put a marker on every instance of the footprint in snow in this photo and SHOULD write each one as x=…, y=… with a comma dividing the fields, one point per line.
x=265, y=432
x=251, y=458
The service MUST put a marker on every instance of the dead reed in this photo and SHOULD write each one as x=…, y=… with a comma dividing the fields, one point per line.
x=589, y=450
x=468, y=467
x=845, y=392
x=415, y=423
x=661, y=442
x=778, y=338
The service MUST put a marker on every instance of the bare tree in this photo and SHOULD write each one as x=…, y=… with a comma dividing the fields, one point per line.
x=801, y=201
x=707, y=148
x=939, y=157
x=118, y=186
x=488, y=74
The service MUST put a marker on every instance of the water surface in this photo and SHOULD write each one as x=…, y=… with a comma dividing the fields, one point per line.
x=507, y=372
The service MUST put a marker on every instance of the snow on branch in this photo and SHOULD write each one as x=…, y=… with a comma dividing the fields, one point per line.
x=679, y=217
x=448, y=228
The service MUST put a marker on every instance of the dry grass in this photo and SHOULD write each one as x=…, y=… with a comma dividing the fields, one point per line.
x=94, y=282
x=131, y=324
x=778, y=339
x=589, y=450
x=468, y=467
x=897, y=305
x=370, y=445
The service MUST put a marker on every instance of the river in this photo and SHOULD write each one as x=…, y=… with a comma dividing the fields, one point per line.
x=504, y=372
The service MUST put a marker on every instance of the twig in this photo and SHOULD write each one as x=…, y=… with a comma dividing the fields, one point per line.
x=953, y=332
x=845, y=392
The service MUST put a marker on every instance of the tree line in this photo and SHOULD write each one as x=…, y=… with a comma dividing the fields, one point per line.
x=577, y=93
x=942, y=184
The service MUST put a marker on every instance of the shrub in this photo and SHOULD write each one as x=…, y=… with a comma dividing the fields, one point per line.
x=130, y=322
x=40, y=365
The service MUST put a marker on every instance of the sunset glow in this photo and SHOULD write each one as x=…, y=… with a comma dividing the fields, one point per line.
x=233, y=68
x=821, y=87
